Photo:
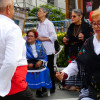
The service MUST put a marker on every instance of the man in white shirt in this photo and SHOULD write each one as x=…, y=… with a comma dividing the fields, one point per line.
x=13, y=63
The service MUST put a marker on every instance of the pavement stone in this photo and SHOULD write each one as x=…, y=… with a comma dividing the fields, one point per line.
x=61, y=94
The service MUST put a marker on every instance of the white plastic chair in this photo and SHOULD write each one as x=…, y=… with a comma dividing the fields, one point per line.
x=55, y=58
x=48, y=90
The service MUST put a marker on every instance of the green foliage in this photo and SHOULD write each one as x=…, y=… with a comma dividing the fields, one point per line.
x=62, y=61
x=54, y=13
x=60, y=37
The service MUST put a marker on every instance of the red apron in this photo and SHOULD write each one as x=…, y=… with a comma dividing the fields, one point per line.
x=18, y=82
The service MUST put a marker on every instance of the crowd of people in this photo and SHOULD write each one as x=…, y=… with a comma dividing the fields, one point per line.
x=77, y=33
x=26, y=65
x=88, y=60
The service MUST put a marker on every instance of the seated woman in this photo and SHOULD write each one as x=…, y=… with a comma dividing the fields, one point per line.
x=38, y=74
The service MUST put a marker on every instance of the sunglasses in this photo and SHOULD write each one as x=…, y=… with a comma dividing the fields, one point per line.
x=73, y=16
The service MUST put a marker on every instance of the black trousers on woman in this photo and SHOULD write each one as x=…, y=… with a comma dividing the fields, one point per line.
x=50, y=65
x=24, y=95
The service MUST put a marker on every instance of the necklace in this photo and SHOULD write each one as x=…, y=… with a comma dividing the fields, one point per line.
x=76, y=30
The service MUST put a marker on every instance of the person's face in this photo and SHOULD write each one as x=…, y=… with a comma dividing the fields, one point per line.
x=41, y=14
x=75, y=17
x=96, y=24
x=31, y=38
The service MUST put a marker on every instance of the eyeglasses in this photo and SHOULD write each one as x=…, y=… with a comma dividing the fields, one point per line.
x=30, y=36
x=73, y=16
x=96, y=24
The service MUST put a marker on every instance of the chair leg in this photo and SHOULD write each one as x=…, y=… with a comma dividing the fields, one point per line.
x=57, y=68
x=48, y=92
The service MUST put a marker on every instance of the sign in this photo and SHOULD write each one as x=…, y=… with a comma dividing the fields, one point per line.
x=89, y=6
x=19, y=18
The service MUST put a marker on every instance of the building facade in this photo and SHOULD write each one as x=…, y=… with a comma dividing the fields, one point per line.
x=65, y=5
x=85, y=5
x=29, y=3
x=33, y=3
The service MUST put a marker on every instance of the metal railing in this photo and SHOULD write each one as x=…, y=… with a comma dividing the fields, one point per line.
x=60, y=26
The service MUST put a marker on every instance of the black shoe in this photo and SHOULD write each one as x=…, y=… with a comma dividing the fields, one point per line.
x=52, y=90
x=39, y=93
x=44, y=90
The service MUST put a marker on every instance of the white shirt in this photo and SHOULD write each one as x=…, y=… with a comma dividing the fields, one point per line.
x=34, y=50
x=72, y=68
x=12, y=52
x=46, y=29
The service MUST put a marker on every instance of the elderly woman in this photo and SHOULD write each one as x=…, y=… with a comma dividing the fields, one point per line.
x=38, y=74
x=89, y=59
x=77, y=33
x=47, y=35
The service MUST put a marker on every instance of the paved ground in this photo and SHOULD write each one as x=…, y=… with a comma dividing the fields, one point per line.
x=61, y=95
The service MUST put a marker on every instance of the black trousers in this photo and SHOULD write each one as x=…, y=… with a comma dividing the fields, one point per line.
x=24, y=95
x=51, y=68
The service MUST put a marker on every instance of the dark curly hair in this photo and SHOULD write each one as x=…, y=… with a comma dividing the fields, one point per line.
x=34, y=31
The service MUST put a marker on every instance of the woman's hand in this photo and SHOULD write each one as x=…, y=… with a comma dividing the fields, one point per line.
x=30, y=66
x=81, y=36
x=38, y=64
x=60, y=75
x=65, y=40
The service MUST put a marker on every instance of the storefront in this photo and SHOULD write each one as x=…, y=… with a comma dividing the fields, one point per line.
x=85, y=5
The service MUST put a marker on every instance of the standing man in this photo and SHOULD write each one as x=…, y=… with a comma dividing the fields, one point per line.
x=47, y=35
x=13, y=63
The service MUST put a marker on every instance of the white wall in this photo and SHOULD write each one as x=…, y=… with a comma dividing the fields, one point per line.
x=61, y=4
x=31, y=2
x=58, y=3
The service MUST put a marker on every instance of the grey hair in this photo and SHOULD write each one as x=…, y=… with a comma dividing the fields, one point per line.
x=3, y=4
x=78, y=12
x=45, y=10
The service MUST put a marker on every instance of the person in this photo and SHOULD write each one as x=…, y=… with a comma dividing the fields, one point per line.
x=90, y=16
x=13, y=63
x=47, y=35
x=56, y=46
x=38, y=74
x=89, y=60
x=77, y=33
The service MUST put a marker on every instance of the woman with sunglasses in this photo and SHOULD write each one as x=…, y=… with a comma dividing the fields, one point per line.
x=77, y=33
x=89, y=60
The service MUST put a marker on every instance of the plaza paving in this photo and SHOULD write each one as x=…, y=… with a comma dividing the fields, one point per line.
x=61, y=94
